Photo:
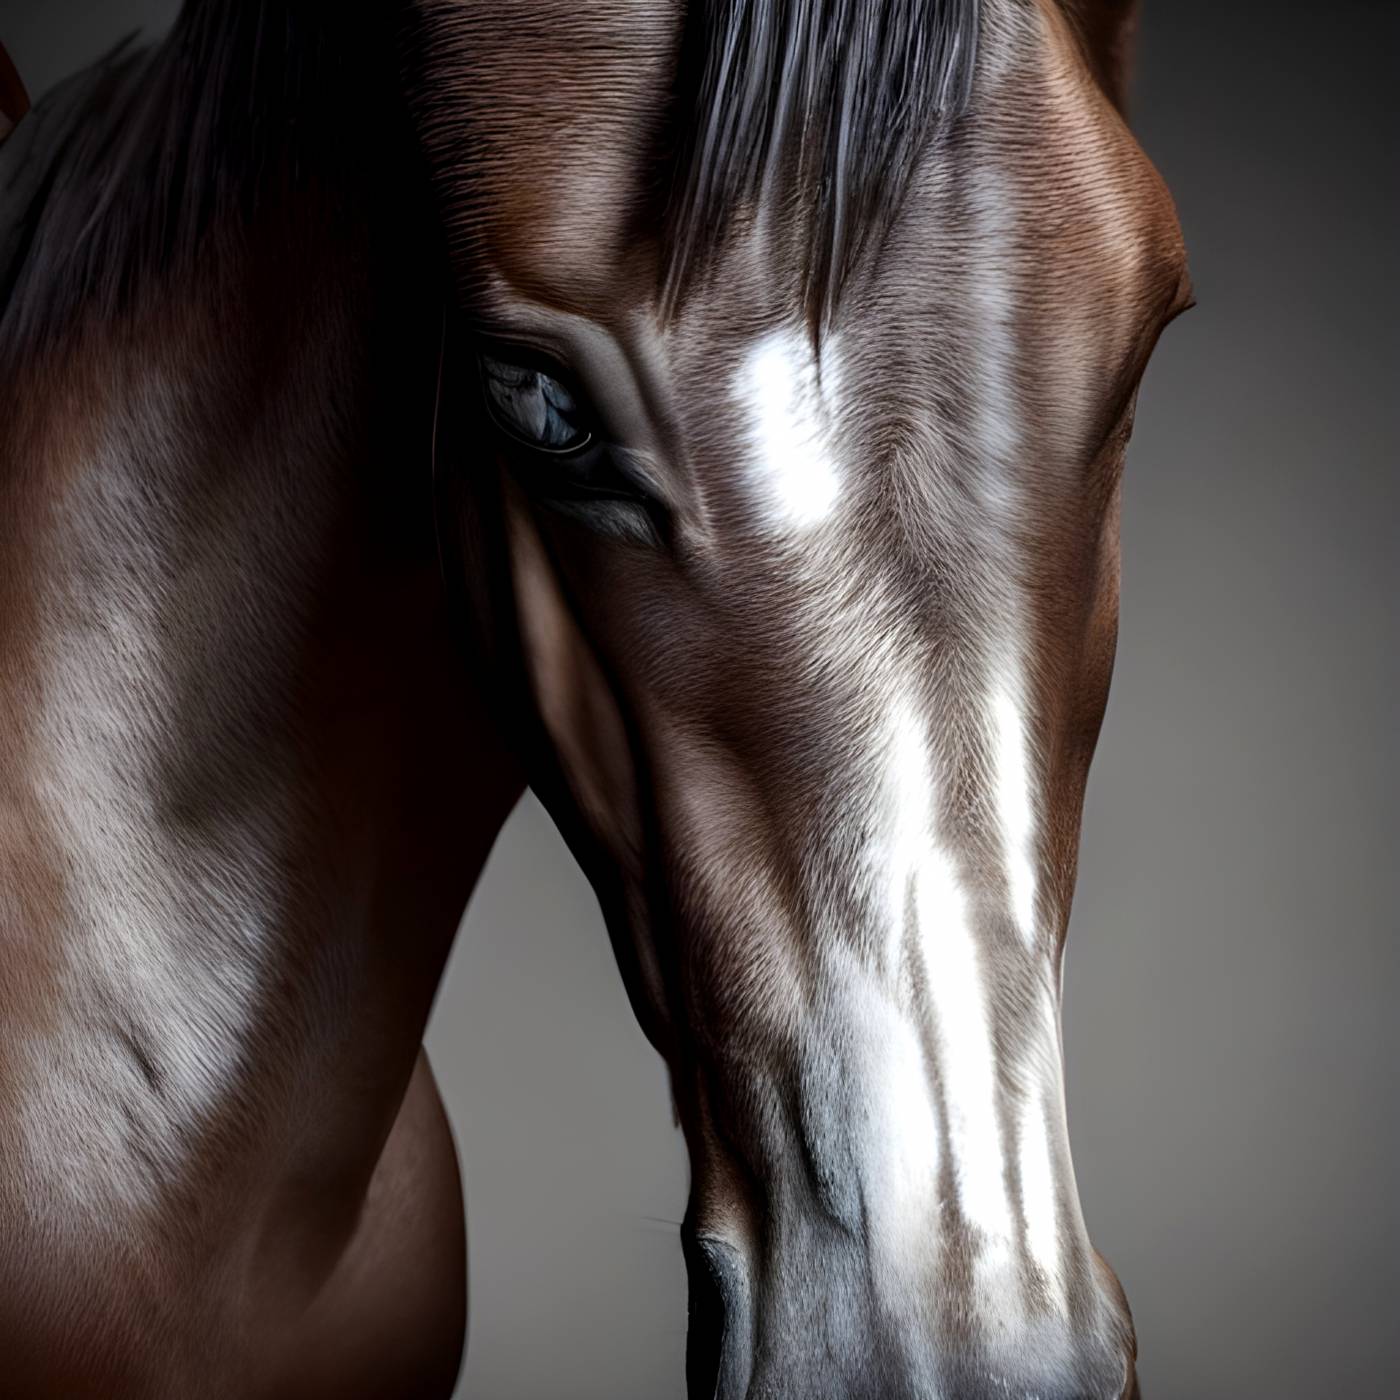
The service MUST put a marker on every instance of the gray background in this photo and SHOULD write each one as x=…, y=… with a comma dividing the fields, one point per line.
x=1232, y=1047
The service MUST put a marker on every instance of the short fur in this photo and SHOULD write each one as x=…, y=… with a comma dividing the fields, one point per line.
x=823, y=761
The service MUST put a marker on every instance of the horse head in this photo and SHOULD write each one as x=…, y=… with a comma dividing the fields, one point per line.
x=782, y=419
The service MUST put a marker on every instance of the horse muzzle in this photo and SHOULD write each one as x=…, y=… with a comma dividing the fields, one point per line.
x=818, y=1334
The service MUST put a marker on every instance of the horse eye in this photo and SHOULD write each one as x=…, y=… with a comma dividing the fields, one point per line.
x=533, y=407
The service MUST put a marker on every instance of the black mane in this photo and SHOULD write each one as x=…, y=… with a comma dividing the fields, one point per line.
x=827, y=103
x=120, y=172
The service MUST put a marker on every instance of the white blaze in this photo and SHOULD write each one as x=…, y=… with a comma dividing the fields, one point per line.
x=1012, y=784
x=911, y=1154
x=791, y=411
x=921, y=870
x=1039, y=1198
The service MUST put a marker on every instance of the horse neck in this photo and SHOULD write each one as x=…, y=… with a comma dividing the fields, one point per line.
x=246, y=782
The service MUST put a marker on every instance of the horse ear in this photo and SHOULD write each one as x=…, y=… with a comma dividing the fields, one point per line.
x=1106, y=30
x=14, y=101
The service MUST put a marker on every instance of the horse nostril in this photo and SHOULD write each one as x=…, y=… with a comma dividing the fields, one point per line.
x=716, y=1352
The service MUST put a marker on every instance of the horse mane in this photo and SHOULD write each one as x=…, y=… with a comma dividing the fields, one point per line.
x=119, y=173
x=825, y=104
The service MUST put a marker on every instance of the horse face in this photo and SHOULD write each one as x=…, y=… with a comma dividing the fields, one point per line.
x=816, y=624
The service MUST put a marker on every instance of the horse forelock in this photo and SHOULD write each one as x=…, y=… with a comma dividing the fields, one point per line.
x=837, y=98
x=680, y=129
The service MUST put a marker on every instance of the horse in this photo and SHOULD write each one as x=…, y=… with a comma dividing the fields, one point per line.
x=710, y=413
